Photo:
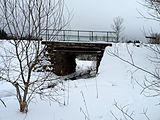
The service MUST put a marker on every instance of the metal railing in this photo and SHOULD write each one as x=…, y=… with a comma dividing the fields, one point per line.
x=78, y=35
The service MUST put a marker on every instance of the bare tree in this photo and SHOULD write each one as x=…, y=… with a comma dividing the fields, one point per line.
x=152, y=84
x=118, y=27
x=153, y=9
x=153, y=13
x=148, y=84
x=28, y=19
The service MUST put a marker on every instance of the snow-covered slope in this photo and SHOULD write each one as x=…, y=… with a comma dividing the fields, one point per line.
x=95, y=98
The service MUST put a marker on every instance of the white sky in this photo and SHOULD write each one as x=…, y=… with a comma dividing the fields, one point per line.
x=99, y=14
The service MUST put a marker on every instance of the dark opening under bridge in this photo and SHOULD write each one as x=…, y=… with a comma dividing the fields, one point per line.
x=63, y=46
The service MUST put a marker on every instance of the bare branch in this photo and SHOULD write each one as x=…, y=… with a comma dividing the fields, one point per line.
x=124, y=112
x=3, y=103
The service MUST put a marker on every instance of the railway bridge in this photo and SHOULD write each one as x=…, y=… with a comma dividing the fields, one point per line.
x=63, y=46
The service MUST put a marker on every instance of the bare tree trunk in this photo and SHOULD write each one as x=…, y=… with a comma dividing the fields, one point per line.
x=23, y=107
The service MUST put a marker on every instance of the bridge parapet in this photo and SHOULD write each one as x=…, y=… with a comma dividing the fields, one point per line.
x=78, y=35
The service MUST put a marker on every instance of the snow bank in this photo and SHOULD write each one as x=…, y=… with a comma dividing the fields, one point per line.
x=95, y=98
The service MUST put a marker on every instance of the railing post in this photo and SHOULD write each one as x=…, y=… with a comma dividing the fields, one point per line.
x=78, y=36
x=107, y=37
x=46, y=34
x=63, y=35
x=92, y=35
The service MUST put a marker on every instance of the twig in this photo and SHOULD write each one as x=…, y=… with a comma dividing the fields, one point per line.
x=124, y=112
x=85, y=104
x=3, y=103
x=86, y=116
x=114, y=115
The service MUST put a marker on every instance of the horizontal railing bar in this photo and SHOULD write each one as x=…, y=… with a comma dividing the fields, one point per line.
x=81, y=40
x=74, y=51
x=80, y=31
x=81, y=36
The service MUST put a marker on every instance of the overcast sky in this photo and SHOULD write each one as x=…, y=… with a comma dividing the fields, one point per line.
x=99, y=14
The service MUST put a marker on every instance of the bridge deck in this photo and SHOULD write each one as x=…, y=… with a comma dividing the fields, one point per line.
x=75, y=48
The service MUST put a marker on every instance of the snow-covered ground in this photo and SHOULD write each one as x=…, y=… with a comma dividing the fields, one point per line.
x=95, y=98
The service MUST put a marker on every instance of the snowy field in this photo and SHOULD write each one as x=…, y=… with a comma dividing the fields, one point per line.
x=96, y=98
